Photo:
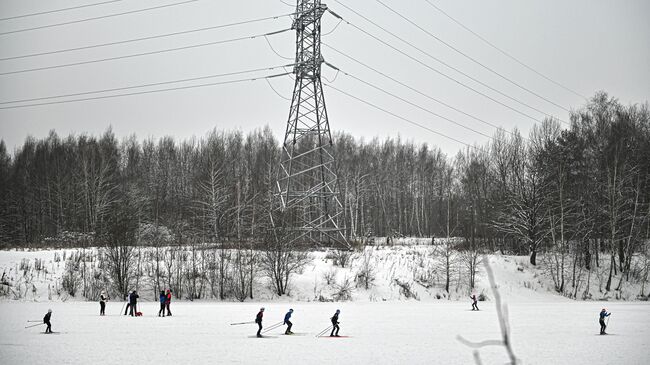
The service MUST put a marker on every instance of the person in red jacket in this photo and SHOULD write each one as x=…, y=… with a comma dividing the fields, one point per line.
x=258, y=320
x=168, y=301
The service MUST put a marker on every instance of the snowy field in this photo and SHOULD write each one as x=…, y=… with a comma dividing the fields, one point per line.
x=408, y=332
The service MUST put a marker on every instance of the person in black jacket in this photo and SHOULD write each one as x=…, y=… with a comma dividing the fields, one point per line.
x=102, y=303
x=133, y=301
x=474, y=302
x=258, y=320
x=46, y=320
x=335, y=324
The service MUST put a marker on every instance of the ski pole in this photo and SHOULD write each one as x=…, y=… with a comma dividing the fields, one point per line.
x=237, y=324
x=38, y=320
x=34, y=325
x=273, y=326
x=122, y=308
x=323, y=331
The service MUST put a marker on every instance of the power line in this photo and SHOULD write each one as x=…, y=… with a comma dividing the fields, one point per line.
x=443, y=74
x=504, y=52
x=443, y=63
x=59, y=10
x=415, y=90
x=409, y=102
x=145, y=92
x=98, y=17
x=144, y=85
x=397, y=116
x=471, y=58
x=147, y=38
x=145, y=53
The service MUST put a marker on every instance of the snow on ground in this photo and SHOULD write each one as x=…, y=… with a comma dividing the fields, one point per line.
x=406, y=332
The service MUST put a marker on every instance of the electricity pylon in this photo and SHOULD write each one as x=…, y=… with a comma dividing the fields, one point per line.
x=307, y=183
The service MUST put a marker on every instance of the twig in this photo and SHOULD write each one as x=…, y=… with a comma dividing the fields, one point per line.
x=502, y=313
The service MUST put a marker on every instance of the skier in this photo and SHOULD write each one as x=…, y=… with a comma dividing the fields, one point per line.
x=603, y=326
x=46, y=320
x=163, y=300
x=133, y=301
x=474, y=301
x=168, y=301
x=287, y=321
x=258, y=320
x=102, y=303
x=335, y=324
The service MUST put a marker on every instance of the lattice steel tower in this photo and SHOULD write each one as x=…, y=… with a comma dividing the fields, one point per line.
x=307, y=184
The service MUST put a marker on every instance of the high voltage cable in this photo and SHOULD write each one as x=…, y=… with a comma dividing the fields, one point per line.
x=145, y=53
x=443, y=63
x=504, y=52
x=416, y=90
x=409, y=102
x=471, y=58
x=397, y=116
x=442, y=73
x=145, y=92
x=59, y=10
x=146, y=85
x=98, y=17
x=147, y=38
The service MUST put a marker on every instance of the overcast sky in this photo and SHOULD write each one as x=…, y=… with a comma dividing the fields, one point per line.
x=587, y=45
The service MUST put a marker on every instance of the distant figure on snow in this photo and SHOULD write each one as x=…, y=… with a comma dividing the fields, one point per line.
x=603, y=326
x=168, y=301
x=258, y=320
x=133, y=301
x=287, y=321
x=128, y=303
x=46, y=320
x=335, y=324
x=163, y=300
x=102, y=303
x=474, y=302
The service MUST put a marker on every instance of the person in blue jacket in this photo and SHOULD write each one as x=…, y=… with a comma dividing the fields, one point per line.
x=603, y=326
x=163, y=299
x=287, y=321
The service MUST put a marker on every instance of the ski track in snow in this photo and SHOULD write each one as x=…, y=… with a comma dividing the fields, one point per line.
x=408, y=332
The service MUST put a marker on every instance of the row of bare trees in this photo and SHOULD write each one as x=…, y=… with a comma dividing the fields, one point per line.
x=573, y=193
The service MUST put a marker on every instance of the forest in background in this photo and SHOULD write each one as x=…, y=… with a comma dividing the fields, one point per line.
x=573, y=193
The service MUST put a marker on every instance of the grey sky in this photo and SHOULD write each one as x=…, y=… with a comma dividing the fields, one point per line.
x=587, y=45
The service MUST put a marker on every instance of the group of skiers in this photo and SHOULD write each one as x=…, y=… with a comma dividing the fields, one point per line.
x=287, y=322
x=166, y=297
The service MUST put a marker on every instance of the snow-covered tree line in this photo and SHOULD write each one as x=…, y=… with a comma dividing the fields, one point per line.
x=570, y=193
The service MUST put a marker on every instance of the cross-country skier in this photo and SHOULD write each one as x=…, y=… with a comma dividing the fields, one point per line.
x=603, y=326
x=46, y=320
x=102, y=303
x=133, y=301
x=287, y=321
x=163, y=299
x=258, y=320
x=168, y=301
x=335, y=324
x=474, y=301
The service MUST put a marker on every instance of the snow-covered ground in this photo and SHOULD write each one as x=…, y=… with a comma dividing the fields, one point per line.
x=407, y=332
x=38, y=276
